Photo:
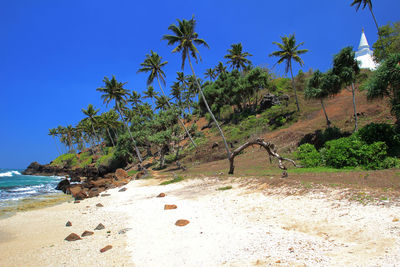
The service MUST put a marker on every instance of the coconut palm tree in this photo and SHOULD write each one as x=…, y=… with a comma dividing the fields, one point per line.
x=53, y=133
x=237, y=58
x=186, y=38
x=210, y=73
x=91, y=112
x=289, y=51
x=220, y=68
x=153, y=64
x=150, y=93
x=114, y=90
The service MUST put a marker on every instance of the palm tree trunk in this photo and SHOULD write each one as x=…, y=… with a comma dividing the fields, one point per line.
x=130, y=134
x=169, y=105
x=94, y=132
x=58, y=150
x=377, y=28
x=354, y=106
x=294, y=88
x=112, y=141
x=228, y=152
x=328, y=122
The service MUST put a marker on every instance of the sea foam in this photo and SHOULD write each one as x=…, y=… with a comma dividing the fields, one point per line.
x=9, y=173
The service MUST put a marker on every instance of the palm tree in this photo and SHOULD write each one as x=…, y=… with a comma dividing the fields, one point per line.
x=91, y=113
x=53, y=133
x=114, y=90
x=237, y=58
x=153, y=64
x=210, y=73
x=220, y=68
x=289, y=50
x=364, y=3
x=185, y=37
x=162, y=103
x=150, y=93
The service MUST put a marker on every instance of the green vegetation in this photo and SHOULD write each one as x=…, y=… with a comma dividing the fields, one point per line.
x=175, y=180
x=388, y=42
x=65, y=160
x=228, y=187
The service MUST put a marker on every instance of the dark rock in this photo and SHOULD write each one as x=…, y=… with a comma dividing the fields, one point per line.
x=170, y=207
x=75, y=179
x=122, y=189
x=182, y=222
x=161, y=195
x=268, y=101
x=99, y=227
x=63, y=185
x=121, y=174
x=72, y=237
x=99, y=205
x=87, y=233
x=123, y=231
x=76, y=202
x=68, y=224
x=105, y=248
x=214, y=145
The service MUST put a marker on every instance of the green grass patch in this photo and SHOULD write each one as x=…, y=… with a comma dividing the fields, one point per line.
x=67, y=160
x=132, y=172
x=320, y=169
x=225, y=188
x=175, y=180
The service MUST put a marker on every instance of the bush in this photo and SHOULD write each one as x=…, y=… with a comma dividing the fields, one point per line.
x=319, y=138
x=383, y=132
x=65, y=160
x=308, y=156
x=352, y=152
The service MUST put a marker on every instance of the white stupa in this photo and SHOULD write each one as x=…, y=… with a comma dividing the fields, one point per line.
x=364, y=55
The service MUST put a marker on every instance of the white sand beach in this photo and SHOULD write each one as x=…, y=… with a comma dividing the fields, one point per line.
x=249, y=225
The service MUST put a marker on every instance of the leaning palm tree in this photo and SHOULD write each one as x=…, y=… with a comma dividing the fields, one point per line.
x=185, y=37
x=289, y=51
x=114, y=90
x=153, y=64
x=237, y=58
x=91, y=112
x=53, y=133
x=364, y=4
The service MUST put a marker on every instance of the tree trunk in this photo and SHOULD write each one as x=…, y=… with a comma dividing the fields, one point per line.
x=169, y=105
x=58, y=150
x=130, y=134
x=328, y=122
x=354, y=107
x=377, y=28
x=294, y=88
x=228, y=152
x=112, y=141
x=271, y=150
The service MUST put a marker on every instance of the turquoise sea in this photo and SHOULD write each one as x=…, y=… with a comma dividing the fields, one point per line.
x=15, y=187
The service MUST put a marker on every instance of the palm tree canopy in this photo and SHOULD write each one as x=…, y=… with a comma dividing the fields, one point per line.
x=153, y=64
x=220, y=68
x=113, y=90
x=90, y=111
x=236, y=57
x=363, y=3
x=289, y=50
x=210, y=73
x=185, y=37
x=150, y=93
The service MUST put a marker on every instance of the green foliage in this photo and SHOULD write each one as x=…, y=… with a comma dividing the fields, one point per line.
x=352, y=152
x=389, y=41
x=132, y=172
x=308, y=156
x=383, y=132
x=107, y=160
x=319, y=138
x=124, y=148
x=65, y=160
x=228, y=187
x=86, y=162
x=175, y=180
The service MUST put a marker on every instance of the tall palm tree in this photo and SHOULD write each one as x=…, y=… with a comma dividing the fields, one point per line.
x=210, y=73
x=150, y=93
x=91, y=112
x=53, y=133
x=289, y=51
x=364, y=4
x=220, y=68
x=153, y=64
x=186, y=38
x=114, y=90
x=237, y=58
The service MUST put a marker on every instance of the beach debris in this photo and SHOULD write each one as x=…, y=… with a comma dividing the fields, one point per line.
x=76, y=202
x=182, y=222
x=99, y=205
x=108, y=247
x=72, y=237
x=68, y=224
x=99, y=227
x=122, y=189
x=278, y=261
x=161, y=195
x=87, y=233
x=170, y=207
x=123, y=231
x=105, y=195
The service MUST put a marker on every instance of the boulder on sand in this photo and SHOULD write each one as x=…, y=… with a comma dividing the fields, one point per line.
x=99, y=227
x=72, y=237
x=68, y=224
x=87, y=233
x=161, y=195
x=63, y=185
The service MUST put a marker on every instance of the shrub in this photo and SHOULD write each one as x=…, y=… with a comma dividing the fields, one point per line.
x=308, y=156
x=383, y=132
x=85, y=162
x=65, y=160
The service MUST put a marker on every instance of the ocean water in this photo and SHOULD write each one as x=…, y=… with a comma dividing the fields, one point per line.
x=15, y=187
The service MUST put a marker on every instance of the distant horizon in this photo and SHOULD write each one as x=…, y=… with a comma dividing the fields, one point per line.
x=55, y=54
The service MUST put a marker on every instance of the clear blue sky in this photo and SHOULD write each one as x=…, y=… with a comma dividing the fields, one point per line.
x=54, y=54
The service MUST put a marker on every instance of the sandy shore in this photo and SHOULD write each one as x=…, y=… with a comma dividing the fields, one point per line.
x=244, y=226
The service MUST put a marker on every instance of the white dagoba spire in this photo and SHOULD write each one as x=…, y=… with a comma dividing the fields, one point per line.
x=364, y=55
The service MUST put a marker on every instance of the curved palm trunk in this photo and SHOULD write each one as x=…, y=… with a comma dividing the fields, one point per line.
x=228, y=152
x=58, y=150
x=354, y=107
x=169, y=105
x=109, y=135
x=294, y=88
x=130, y=134
x=377, y=28
x=328, y=122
